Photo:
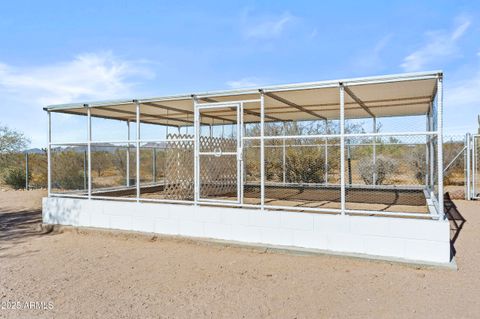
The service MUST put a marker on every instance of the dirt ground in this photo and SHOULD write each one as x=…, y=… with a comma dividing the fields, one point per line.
x=84, y=274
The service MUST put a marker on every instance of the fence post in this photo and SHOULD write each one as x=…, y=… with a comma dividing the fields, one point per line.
x=262, y=150
x=196, y=151
x=49, y=153
x=374, y=177
x=89, y=150
x=137, y=107
x=325, y=167
x=440, y=145
x=342, y=148
x=467, y=167
x=284, y=160
x=26, y=171
x=85, y=170
x=432, y=156
x=154, y=165
x=427, y=152
x=127, y=173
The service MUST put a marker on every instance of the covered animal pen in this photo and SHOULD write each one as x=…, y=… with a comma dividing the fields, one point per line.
x=302, y=165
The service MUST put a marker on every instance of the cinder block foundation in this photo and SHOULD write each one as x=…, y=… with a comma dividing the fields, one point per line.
x=414, y=240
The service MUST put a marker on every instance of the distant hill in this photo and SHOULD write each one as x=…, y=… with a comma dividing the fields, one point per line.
x=34, y=151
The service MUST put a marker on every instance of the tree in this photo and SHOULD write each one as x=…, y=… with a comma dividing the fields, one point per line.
x=12, y=141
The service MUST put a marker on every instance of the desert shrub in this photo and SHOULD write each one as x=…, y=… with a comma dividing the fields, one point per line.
x=305, y=165
x=417, y=163
x=67, y=170
x=15, y=177
x=384, y=168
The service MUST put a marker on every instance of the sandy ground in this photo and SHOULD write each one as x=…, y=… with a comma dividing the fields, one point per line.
x=112, y=275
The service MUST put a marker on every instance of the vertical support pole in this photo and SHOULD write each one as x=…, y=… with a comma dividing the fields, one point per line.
x=440, y=145
x=196, y=148
x=239, y=152
x=473, y=166
x=342, y=149
x=26, y=171
x=262, y=150
x=127, y=173
x=85, y=182
x=284, y=157
x=242, y=162
x=374, y=177
x=49, y=153
x=154, y=165
x=468, y=193
x=325, y=167
x=137, y=184
x=89, y=151
x=432, y=157
x=427, y=152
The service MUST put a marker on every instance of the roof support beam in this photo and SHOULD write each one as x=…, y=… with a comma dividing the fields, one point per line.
x=160, y=117
x=290, y=103
x=117, y=119
x=174, y=109
x=359, y=102
x=249, y=112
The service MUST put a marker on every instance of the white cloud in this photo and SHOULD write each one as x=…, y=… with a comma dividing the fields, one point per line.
x=266, y=27
x=87, y=76
x=247, y=82
x=370, y=60
x=24, y=91
x=440, y=44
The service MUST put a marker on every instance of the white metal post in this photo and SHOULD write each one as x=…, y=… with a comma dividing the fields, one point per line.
x=284, y=161
x=468, y=193
x=89, y=150
x=239, y=152
x=128, y=155
x=432, y=157
x=427, y=152
x=242, y=163
x=325, y=168
x=137, y=106
x=342, y=149
x=196, y=148
x=473, y=166
x=85, y=182
x=374, y=177
x=49, y=153
x=262, y=150
x=440, y=145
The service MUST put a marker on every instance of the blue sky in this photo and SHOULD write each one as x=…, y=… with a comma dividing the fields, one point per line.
x=63, y=51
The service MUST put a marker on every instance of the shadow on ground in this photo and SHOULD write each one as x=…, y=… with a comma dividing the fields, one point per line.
x=456, y=221
x=19, y=226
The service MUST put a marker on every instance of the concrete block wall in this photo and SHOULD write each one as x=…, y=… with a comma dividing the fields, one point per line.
x=409, y=239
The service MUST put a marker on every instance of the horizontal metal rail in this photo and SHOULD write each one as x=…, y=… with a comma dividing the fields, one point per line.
x=281, y=137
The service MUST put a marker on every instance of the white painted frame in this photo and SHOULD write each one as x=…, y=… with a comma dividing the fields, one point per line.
x=238, y=153
x=431, y=132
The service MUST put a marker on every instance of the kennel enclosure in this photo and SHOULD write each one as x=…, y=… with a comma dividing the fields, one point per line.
x=352, y=165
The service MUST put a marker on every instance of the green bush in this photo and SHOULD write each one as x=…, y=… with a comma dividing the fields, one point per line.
x=15, y=177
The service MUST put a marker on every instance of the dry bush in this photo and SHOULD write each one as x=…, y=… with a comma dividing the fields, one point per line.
x=67, y=170
x=384, y=168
